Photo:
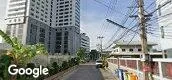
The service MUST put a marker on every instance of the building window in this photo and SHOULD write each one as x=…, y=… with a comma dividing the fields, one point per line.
x=131, y=50
x=8, y=31
x=139, y=50
x=162, y=32
x=123, y=50
x=116, y=50
x=37, y=16
x=159, y=11
x=60, y=20
x=60, y=24
x=65, y=23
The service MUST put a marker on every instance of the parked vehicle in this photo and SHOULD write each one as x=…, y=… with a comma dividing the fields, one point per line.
x=99, y=63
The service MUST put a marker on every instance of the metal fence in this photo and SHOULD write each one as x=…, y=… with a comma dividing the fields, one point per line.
x=161, y=68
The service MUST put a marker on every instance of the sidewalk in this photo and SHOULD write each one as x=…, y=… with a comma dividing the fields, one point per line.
x=107, y=74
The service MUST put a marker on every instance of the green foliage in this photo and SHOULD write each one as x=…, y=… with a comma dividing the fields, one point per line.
x=65, y=65
x=94, y=55
x=5, y=61
x=81, y=54
x=51, y=71
x=104, y=59
x=31, y=65
x=56, y=67
x=20, y=54
x=7, y=38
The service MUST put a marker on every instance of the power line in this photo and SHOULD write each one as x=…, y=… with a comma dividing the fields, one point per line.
x=122, y=35
x=124, y=20
x=159, y=7
x=129, y=12
x=108, y=7
x=132, y=38
x=109, y=11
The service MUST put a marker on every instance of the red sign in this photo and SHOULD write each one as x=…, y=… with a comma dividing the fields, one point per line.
x=146, y=69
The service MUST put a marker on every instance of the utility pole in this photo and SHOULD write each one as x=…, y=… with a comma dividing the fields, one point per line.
x=143, y=36
x=101, y=49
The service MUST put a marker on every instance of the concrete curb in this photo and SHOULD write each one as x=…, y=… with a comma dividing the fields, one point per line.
x=107, y=74
x=60, y=75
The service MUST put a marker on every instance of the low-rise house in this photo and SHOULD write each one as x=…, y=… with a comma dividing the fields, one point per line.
x=133, y=49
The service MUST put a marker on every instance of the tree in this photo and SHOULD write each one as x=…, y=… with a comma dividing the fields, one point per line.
x=21, y=54
x=104, y=59
x=94, y=54
x=81, y=54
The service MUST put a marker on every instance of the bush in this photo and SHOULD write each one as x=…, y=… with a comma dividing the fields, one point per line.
x=31, y=65
x=73, y=61
x=2, y=67
x=55, y=67
x=77, y=60
x=70, y=64
x=65, y=65
x=51, y=71
x=5, y=61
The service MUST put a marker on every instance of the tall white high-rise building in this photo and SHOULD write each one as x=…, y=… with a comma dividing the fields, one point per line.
x=65, y=19
x=85, y=42
x=55, y=23
x=65, y=13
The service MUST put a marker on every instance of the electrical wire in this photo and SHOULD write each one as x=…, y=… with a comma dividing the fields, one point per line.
x=129, y=12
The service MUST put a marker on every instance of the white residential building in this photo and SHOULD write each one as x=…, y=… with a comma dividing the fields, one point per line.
x=85, y=42
x=43, y=21
x=133, y=49
x=165, y=23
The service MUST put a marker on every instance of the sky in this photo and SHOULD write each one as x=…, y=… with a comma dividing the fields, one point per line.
x=93, y=19
x=94, y=15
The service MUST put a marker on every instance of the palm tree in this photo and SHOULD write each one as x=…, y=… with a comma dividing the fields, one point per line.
x=22, y=54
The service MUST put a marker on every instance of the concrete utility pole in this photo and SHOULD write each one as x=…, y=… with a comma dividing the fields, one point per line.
x=145, y=56
x=101, y=38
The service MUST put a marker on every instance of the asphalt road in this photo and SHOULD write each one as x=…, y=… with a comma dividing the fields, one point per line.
x=85, y=72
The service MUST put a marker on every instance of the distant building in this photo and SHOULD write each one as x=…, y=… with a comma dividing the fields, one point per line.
x=132, y=48
x=85, y=42
x=55, y=23
x=164, y=15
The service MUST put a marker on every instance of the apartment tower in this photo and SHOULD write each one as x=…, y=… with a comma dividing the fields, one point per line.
x=55, y=23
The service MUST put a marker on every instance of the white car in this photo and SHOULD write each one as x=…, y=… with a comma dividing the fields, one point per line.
x=99, y=63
